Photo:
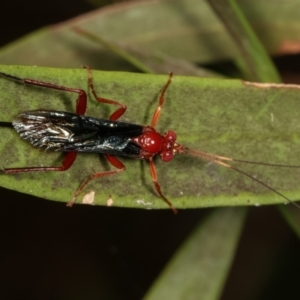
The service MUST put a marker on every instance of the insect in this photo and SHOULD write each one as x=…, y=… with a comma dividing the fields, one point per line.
x=75, y=132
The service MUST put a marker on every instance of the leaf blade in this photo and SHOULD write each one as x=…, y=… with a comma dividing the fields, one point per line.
x=201, y=265
x=226, y=117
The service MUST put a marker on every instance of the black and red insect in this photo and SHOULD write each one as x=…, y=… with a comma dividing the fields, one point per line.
x=75, y=132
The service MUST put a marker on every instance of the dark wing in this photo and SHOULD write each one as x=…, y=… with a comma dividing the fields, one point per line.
x=64, y=131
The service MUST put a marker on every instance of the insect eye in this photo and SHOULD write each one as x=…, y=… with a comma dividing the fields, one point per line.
x=167, y=151
x=166, y=156
x=171, y=136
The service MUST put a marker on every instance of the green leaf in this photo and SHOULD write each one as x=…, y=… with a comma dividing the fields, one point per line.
x=201, y=265
x=253, y=58
x=175, y=28
x=291, y=215
x=146, y=61
x=227, y=117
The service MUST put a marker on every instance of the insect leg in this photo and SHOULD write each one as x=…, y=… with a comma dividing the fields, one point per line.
x=112, y=160
x=81, y=100
x=66, y=164
x=157, y=186
x=115, y=115
x=161, y=101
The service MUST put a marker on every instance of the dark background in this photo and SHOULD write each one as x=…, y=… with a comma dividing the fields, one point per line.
x=51, y=252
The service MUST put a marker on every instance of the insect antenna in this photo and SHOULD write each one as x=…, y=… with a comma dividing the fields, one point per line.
x=220, y=161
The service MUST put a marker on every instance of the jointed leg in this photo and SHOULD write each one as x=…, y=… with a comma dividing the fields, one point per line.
x=81, y=100
x=115, y=115
x=112, y=160
x=80, y=109
x=66, y=164
x=157, y=186
x=161, y=101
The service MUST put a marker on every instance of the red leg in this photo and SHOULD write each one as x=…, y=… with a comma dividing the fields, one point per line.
x=115, y=115
x=157, y=186
x=81, y=103
x=112, y=160
x=161, y=101
x=80, y=109
x=66, y=164
x=81, y=100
